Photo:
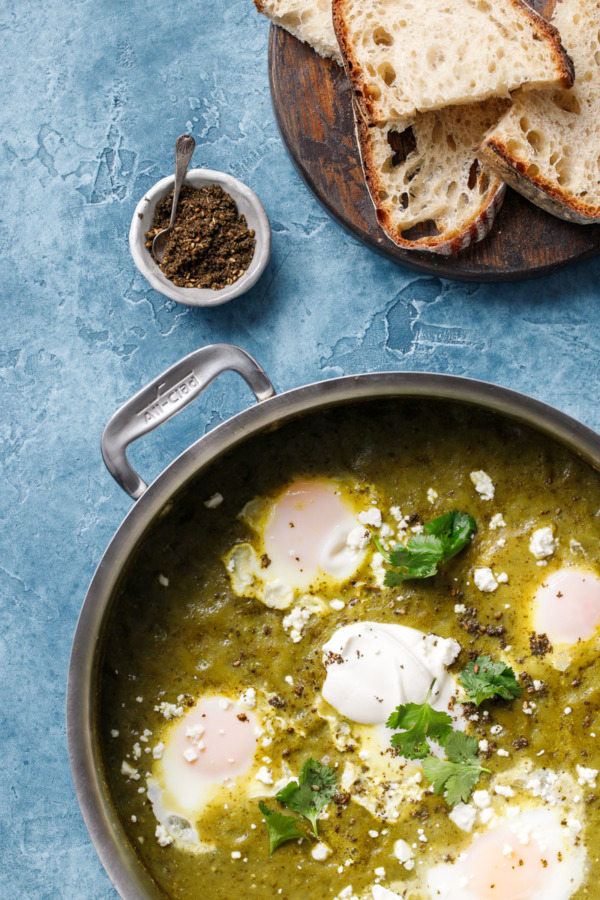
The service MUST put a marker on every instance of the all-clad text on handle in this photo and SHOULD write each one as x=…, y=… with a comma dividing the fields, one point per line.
x=166, y=396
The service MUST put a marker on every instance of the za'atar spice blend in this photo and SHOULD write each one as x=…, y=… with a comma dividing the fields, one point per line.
x=210, y=245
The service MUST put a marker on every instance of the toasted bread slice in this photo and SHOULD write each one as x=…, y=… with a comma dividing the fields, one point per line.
x=308, y=20
x=547, y=146
x=428, y=190
x=405, y=56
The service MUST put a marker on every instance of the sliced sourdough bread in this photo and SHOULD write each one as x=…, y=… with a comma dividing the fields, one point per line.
x=308, y=20
x=548, y=145
x=404, y=56
x=428, y=189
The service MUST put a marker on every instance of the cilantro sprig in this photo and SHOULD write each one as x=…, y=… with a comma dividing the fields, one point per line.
x=312, y=792
x=456, y=776
x=485, y=678
x=444, y=537
x=308, y=796
x=281, y=828
x=418, y=721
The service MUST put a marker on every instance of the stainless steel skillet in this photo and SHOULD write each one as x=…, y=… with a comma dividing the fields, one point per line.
x=164, y=397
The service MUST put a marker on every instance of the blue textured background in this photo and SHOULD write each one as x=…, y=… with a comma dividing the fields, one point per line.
x=94, y=95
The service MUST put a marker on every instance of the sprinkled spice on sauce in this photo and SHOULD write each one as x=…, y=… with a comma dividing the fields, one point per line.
x=210, y=245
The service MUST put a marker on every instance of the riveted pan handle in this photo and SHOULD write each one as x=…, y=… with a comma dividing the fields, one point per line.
x=166, y=396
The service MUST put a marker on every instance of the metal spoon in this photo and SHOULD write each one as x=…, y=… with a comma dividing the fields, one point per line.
x=184, y=148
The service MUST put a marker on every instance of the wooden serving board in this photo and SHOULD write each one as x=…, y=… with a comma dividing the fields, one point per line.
x=312, y=103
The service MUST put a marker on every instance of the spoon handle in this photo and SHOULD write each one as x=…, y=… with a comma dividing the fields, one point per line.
x=184, y=148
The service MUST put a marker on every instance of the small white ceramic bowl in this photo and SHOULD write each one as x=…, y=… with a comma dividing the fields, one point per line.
x=247, y=203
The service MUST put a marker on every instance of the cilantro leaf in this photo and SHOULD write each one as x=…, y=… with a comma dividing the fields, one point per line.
x=454, y=529
x=444, y=538
x=455, y=781
x=316, y=786
x=418, y=721
x=462, y=748
x=281, y=828
x=485, y=678
x=457, y=776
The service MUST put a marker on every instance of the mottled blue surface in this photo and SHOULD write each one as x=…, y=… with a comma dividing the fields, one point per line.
x=94, y=95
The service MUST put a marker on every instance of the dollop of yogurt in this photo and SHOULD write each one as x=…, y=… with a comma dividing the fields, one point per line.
x=372, y=668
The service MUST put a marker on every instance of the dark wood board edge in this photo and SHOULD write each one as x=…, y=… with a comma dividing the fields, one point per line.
x=459, y=267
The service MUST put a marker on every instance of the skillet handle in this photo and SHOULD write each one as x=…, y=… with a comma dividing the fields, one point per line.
x=166, y=396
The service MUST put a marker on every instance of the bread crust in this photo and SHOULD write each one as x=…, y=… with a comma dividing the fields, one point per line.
x=370, y=109
x=494, y=153
x=564, y=62
x=446, y=243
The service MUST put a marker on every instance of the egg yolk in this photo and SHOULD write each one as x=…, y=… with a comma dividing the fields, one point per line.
x=211, y=745
x=306, y=534
x=501, y=868
x=567, y=606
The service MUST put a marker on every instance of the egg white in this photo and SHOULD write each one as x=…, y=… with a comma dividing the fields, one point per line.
x=180, y=800
x=279, y=578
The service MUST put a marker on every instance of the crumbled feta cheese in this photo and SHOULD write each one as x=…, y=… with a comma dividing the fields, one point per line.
x=235, y=854
x=386, y=531
x=162, y=836
x=380, y=872
x=129, y=771
x=463, y=815
x=497, y=521
x=502, y=578
x=190, y=755
x=383, y=893
x=481, y=799
x=157, y=751
x=537, y=685
x=247, y=698
x=137, y=750
x=214, y=501
x=370, y=517
x=169, y=710
x=502, y=752
x=320, y=851
x=438, y=649
x=574, y=826
x=373, y=834
x=162, y=579
x=496, y=729
x=194, y=733
x=575, y=546
x=568, y=710
x=403, y=852
x=503, y=790
x=114, y=733
x=484, y=746
x=417, y=529
x=460, y=608
x=542, y=542
x=264, y=775
x=484, y=580
x=358, y=538
x=586, y=776
x=337, y=605
x=483, y=484
x=288, y=679
x=295, y=622
x=432, y=495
